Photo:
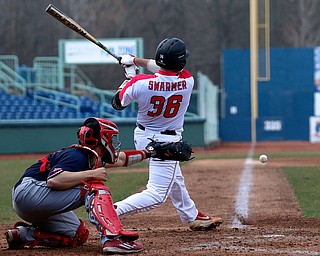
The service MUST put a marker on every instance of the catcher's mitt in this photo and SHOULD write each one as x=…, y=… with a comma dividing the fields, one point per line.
x=178, y=151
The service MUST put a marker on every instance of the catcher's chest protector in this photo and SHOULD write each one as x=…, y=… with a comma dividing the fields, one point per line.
x=101, y=211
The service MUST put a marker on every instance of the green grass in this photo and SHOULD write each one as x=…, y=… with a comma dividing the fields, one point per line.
x=256, y=155
x=305, y=182
x=10, y=172
x=120, y=184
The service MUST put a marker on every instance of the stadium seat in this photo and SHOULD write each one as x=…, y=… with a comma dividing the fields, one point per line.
x=25, y=107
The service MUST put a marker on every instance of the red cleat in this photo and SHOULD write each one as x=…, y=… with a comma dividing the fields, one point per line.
x=122, y=246
x=203, y=222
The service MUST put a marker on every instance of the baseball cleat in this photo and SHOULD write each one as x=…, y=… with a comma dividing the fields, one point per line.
x=203, y=222
x=121, y=246
x=13, y=236
x=13, y=239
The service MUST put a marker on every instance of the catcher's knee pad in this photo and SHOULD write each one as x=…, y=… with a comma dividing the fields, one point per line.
x=45, y=238
x=81, y=236
x=102, y=214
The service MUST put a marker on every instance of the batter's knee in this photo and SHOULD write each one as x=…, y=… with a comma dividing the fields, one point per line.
x=158, y=200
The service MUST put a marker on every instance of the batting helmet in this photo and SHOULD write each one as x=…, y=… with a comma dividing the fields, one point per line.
x=171, y=54
x=98, y=131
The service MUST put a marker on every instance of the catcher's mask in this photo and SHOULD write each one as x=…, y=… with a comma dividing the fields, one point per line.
x=99, y=131
x=171, y=54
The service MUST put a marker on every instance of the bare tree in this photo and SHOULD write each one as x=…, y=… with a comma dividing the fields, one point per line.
x=207, y=27
x=299, y=23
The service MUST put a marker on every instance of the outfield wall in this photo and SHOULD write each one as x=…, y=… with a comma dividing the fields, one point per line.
x=285, y=103
x=38, y=136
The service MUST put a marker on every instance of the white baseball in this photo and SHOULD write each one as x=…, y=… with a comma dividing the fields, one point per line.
x=263, y=158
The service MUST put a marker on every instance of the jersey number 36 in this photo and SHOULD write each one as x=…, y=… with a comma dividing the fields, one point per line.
x=171, y=106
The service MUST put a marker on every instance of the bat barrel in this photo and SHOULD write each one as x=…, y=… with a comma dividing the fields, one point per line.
x=70, y=23
x=49, y=7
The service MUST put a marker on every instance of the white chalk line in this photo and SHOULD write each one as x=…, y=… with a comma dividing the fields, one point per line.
x=217, y=245
x=242, y=213
x=242, y=201
x=239, y=220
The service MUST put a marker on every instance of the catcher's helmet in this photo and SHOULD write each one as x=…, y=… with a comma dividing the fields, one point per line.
x=98, y=131
x=171, y=54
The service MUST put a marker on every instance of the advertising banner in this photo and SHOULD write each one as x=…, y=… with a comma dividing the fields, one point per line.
x=315, y=129
x=317, y=69
x=85, y=52
x=317, y=104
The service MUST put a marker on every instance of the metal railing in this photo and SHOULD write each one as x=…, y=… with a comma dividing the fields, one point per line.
x=75, y=75
x=49, y=75
x=47, y=72
x=103, y=96
x=57, y=98
x=9, y=79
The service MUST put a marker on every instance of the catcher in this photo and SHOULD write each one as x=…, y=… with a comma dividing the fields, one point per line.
x=49, y=190
x=163, y=98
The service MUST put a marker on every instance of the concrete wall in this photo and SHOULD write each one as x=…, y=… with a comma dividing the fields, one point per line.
x=38, y=136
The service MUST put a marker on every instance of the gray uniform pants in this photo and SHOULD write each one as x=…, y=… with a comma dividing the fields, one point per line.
x=50, y=210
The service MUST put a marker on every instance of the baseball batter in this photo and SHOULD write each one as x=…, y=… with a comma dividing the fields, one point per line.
x=67, y=179
x=163, y=98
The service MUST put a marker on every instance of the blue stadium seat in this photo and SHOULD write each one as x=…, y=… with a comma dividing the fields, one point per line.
x=3, y=108
x=25, y=107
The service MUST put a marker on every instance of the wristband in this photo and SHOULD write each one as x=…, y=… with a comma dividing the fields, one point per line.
x=152, y=66
x=147, y=153
x=134, y=156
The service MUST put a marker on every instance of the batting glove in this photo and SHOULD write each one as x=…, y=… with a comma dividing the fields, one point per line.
x=131, y=71
x=127, y=60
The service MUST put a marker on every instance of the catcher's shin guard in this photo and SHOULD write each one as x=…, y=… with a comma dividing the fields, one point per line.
x=102, y=214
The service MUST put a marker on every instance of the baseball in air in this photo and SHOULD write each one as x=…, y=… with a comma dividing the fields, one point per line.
x=263, y=159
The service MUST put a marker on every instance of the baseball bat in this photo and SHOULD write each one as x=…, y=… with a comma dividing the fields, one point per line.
x=70, y=23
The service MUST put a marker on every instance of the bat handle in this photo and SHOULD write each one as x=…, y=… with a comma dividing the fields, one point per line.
x=118, y=58
x=115, y=56
x=108, y=51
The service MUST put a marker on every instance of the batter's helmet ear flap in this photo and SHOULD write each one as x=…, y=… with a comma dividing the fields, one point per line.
x=85, y=137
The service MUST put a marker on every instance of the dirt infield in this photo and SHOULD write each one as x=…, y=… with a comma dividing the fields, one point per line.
x=273, y=224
